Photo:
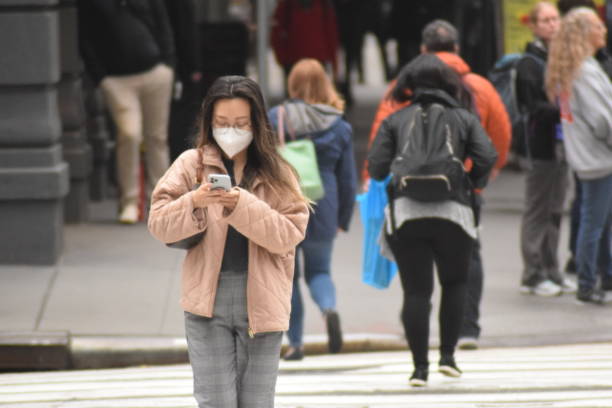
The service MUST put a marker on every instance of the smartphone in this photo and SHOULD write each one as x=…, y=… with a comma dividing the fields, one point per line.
x=221, y=181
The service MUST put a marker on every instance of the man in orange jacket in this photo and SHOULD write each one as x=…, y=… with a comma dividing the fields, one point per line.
x=441, y=38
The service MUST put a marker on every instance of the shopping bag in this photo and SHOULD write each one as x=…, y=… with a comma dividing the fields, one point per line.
x=302, y=155
x=377, y=271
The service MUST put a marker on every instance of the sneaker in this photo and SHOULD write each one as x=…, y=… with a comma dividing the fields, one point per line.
x=334, y=333
x=419, y=376
x=129, y=214
x=294, y=354
x=467, y=343
x=545, y=288
x=594, y=296
x=448, y=367
x=568, y=286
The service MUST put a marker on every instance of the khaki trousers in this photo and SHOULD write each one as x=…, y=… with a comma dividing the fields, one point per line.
x=140, y=106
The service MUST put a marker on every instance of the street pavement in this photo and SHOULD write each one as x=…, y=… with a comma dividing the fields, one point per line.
x=575, y=376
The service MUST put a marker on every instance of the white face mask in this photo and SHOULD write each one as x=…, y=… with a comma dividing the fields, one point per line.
x=231, y=140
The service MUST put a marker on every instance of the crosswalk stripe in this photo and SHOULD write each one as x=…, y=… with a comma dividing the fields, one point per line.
x=575, y=376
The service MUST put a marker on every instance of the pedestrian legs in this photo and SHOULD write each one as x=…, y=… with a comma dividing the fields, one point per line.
x=546, y=183
x=596, y=211
x=155, y=98
x=231, y=369
x=121, y=95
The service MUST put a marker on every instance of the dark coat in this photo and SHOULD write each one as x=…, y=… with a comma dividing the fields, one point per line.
x=334, y=146
x=124, y=37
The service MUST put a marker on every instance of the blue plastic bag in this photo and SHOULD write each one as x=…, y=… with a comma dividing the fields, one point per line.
x=377, y=271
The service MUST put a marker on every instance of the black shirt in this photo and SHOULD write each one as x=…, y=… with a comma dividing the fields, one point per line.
x=236, y=253
x=124, y=37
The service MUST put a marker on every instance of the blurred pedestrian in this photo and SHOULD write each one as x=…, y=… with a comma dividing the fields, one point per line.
x=187, y=94
x=423, y=233
x=441, y=37
x=547, y=176
x=577, y=82
x=237, y=279
x=315, y=111
x=305, y=29
x=128, y=50
x=605, y=60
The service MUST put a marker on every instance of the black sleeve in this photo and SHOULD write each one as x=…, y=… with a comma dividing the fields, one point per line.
x=163, y=31
x=94, y=65
x=480, y=149
x=186, y=37
x=530, y=92
x=382, y=152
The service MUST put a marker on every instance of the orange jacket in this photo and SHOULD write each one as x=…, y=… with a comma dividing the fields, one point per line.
x=493, y=116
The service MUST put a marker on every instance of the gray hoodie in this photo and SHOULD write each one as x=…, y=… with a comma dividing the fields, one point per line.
x=306, y=119
x=588, y=129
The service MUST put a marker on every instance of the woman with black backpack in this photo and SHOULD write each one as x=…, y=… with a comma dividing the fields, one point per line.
x=430, y=218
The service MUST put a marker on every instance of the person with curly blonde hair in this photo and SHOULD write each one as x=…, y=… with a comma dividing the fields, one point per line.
x=583, y=91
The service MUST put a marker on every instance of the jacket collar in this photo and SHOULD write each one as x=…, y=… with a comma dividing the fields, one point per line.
x=429, y=95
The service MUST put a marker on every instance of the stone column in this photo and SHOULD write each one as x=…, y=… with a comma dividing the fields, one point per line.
x=33, y=177
x=77, y=153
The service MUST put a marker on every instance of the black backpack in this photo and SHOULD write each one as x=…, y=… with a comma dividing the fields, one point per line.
x=427, y=167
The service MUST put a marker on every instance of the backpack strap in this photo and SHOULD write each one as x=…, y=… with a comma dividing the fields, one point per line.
x=200, y=167
x=282, y=114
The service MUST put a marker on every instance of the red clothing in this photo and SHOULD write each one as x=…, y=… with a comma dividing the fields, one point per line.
x=493, y=116
x=299, y=32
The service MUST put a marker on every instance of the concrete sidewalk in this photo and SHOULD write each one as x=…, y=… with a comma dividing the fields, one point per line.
x=113, y=297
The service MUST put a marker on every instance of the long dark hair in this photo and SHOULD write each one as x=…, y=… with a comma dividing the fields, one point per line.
x=427, y=71
x=263, y=159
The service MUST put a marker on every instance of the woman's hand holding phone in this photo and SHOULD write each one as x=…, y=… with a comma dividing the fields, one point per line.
x=205, y=196
x=218, y=190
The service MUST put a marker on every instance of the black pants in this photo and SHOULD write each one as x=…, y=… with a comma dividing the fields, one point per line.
x=416, y=246
x=471, y=316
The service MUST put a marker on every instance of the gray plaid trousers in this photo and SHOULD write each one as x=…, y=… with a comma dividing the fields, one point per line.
x=230, y=369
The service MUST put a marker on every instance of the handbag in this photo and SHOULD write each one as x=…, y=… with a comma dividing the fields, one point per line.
x=301, y=154
x=190, y=242
x=377, y=271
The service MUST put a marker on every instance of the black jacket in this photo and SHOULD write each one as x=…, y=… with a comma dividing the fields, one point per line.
x=472, y=142
x=186, y=37
x=124, y=37
x=532, y=99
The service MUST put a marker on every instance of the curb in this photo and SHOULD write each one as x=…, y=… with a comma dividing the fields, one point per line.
x=32, y=351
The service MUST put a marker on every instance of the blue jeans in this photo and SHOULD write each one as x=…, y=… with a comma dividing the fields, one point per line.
x=317, y=266
x=595, y=215
x=603, y=259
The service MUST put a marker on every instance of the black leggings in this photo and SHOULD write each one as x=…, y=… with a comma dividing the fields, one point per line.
x=416, y=246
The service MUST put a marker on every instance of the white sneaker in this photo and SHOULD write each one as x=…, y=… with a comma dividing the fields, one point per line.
x=545, y=288
x=568, y=286
x=129, y=214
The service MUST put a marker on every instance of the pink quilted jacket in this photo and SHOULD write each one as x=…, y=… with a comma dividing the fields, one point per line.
x=273, y=225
